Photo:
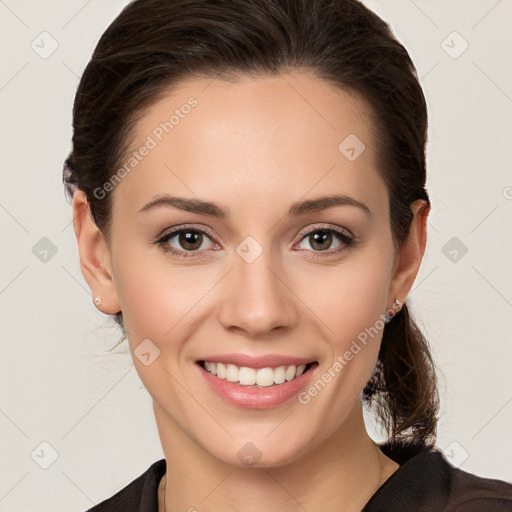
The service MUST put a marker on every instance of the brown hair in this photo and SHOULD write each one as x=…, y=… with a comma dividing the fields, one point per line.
x=153, y=44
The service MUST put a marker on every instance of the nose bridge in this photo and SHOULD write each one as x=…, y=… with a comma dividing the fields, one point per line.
x=256, y=299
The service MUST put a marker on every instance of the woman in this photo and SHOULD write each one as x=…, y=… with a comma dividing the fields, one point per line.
x=248, y=182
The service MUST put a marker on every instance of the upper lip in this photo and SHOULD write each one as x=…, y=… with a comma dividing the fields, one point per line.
x=263, y=361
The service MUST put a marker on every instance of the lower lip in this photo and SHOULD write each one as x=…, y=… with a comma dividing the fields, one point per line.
x=250, y=397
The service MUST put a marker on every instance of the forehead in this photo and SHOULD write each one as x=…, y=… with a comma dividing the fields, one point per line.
x=282, y=135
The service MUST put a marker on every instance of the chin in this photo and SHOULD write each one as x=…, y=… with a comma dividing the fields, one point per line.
x=261, y=452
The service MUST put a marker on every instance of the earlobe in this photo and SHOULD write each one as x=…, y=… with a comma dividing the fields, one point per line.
x=94, y=255
x=411, y=252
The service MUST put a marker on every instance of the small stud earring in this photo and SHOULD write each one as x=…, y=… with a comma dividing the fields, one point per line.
x=98, y=301
x=397, y=306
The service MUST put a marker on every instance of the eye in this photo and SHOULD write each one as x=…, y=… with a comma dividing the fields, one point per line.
x=321, y=239
x=185, y=240
x=191, y=242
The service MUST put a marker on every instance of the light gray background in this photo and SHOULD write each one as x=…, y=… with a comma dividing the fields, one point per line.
x=58, y=385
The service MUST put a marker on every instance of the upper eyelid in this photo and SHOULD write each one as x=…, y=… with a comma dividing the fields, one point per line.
x=326, y=227
x=173, y=231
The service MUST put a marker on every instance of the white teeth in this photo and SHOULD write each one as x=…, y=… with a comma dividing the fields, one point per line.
x=290, y=373
x=279, y=374
x=265, y=377
x=300, y=369
x=232, y=373
x=247, y=376
x=250, y=376
x=221, y=371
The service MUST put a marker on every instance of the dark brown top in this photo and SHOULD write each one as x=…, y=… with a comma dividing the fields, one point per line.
x=424, y=482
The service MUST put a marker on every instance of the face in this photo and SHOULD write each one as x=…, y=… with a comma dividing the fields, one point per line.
x=262, y=274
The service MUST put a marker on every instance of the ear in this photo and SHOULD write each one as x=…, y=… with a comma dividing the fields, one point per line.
x=411, y=253
x=95, y=261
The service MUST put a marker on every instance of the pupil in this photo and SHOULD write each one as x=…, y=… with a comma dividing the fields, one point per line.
x=319, y=238
x=187, y=240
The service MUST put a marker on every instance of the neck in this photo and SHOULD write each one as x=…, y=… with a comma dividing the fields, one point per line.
x=341, y=473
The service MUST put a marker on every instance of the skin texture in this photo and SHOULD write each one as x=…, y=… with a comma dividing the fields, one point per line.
x=254, y=147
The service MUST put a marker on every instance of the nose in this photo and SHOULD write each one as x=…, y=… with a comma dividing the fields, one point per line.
x=258, y=298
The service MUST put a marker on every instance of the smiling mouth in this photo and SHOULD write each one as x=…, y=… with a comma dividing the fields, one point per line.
x=256, y=377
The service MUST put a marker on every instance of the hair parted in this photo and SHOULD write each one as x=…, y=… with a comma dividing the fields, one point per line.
x=154, y=44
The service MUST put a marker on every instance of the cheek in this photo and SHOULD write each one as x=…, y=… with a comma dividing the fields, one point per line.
x=141, y=285
x=157, y=298
x=349, y=303
x=351, y=296
x=146, y=299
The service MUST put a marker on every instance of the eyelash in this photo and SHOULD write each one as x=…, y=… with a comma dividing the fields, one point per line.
x=347, y=241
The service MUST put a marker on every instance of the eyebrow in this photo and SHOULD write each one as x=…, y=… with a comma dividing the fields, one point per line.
x=295, y=210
